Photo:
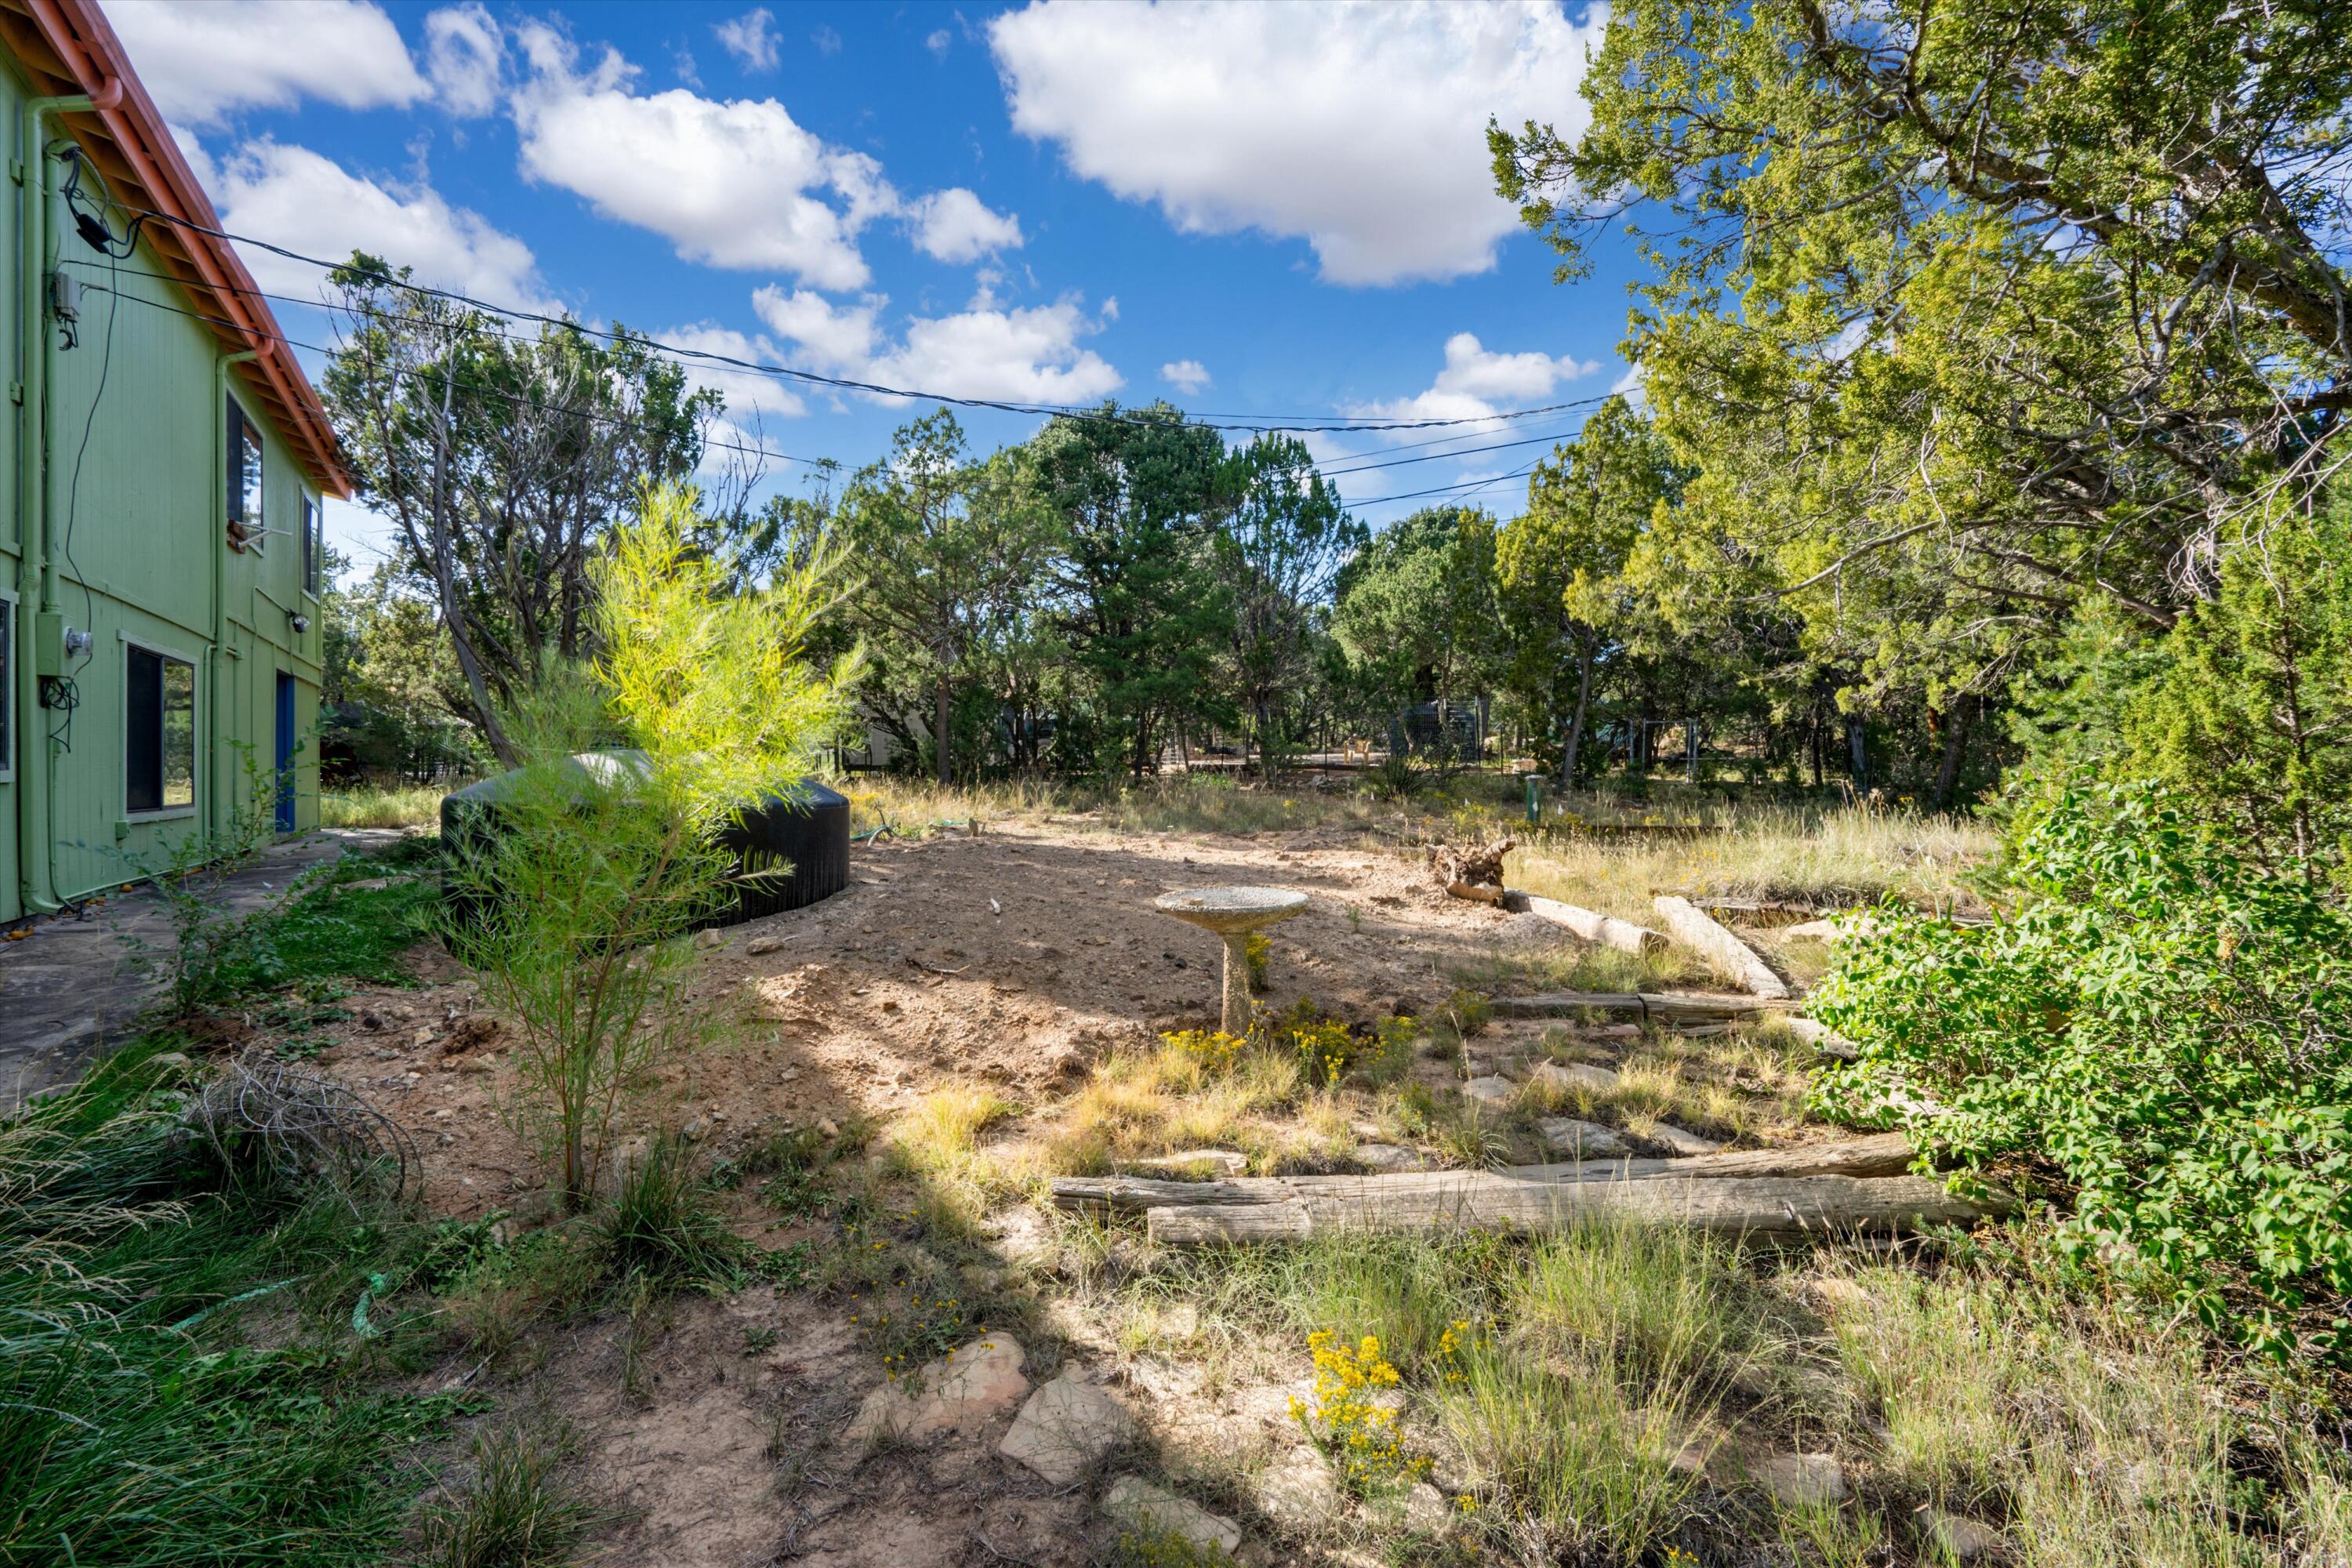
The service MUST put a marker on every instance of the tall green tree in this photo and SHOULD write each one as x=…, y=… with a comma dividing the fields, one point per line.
x=1417, y=612
x=1281, y=552
x=1975, y=311
x=1559, y=566
x=1140, y=493
x=501, y=462
x=948, y=551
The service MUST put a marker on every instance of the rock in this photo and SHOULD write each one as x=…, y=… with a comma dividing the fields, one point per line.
x=1389, y=1157
x=1298, y=1488
x=367, y=884
x=1491, y=1090
x=1963, y=1540
x=1567, y=1077
x=424, y=1037
x=1068, y=1426
x=962, y=1389
x=1582, y=1139
x=1425, y=1510
x=1140, y=1506
x=1619, y=1031
x=695, y=1130
x=827, y=1126
x=709, y=937
x=1682, y=1142
x=1207, y=1162
x=1800, y=1480
x=761, y=946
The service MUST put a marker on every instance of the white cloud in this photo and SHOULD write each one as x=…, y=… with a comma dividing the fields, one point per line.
x=834, y=336
x=955, y=226
x=754, y=400
x=1186, y=375
x=1477, y=383
x=827, y=40
x=292, y=196
x=751, y=38
x=464, y=54
x=737, y=184
x=1360, y=129
x=1028, y=355
x=939, y=42
x=201, y=61
x=1025, y=355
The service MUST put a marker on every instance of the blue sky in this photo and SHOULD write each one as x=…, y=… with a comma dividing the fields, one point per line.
x=1247, y=209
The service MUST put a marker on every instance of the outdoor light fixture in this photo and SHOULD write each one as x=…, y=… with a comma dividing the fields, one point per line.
x=298, y=621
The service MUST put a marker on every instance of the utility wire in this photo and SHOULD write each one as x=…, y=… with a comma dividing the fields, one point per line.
x=1267, y=425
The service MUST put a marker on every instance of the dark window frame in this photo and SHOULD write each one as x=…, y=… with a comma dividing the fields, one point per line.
x=246, y=478
x=147, y=777
x=314, y=546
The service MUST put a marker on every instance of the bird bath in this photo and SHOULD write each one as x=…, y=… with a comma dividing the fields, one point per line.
x=1233, y=913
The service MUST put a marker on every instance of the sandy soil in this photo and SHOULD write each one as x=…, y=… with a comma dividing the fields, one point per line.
x=1017, y=958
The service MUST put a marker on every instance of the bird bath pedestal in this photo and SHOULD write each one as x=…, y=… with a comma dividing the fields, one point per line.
x=1233, y=913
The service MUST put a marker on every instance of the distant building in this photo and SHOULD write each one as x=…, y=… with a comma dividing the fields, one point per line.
x=160, y=557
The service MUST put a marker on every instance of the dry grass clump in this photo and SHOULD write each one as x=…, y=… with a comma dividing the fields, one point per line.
x=1253, y=1097
x=1842, y=857
x=368, y=805
x=2091, y=1433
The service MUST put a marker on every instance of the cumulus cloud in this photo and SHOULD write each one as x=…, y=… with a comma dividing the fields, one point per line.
x=1186, y=375
x=752, y=39
x=1358, y=128
x=1028, y=355
x=202, y=62
x=736, y=184
x=1478, y=383
x=955, y=226
x=293, y=197
x=464, y=56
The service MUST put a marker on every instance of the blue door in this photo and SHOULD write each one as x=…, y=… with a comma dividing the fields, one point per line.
x=285, y=752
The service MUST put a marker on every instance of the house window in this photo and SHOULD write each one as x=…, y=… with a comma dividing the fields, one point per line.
x=159, y=748
x=7, y=688
x=314, y=547
x=244, y=524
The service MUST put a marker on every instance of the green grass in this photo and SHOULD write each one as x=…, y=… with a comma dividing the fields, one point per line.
x=146, y=1414
x=519, y=1507
x=336, y=931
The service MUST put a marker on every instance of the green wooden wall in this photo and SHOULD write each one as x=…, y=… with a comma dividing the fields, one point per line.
x=135, y=535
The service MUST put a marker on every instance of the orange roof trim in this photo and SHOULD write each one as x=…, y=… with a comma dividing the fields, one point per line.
x=71, y=43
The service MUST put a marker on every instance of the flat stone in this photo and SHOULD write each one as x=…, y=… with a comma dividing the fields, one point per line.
x=1801, y=1480
x=1681, y=1141
x=1066, y=1427
x=1491, y=1090
x=1209, y=1161
x=1298, y=1488
x=1566, y=1076
x=761, y=946
x=1964, y=1539
x=1425, y=1509
x=1389, y=1157
x=1223, y=909
x=709, y=937
x=962, y=1389
x=1582, y=1139
x=1140, y=1506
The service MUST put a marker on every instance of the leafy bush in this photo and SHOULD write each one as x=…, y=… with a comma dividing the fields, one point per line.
x=2163, y=1027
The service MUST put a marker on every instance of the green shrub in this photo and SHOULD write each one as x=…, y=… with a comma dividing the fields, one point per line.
x=662, y=1227
x=2163, y=1029
x=519, y=1511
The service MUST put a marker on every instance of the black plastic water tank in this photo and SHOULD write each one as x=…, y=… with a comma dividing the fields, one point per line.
x=811, y=833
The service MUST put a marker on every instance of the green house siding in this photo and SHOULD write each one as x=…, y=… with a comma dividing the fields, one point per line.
x=137, y=511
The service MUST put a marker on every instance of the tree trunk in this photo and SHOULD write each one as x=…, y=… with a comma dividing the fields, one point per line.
x=1665, y=1007
x=1623, y=935
x=1857, y=748
x=1576, y=724
x=1956, y=743
x=939, y=729
x=453, y=612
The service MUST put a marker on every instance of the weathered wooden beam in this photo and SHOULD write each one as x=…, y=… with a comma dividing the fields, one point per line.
x=1667, y=1006
x=1725, y=953
x=1593, y=926
x=1821, y=1206
x=1879, y=1155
